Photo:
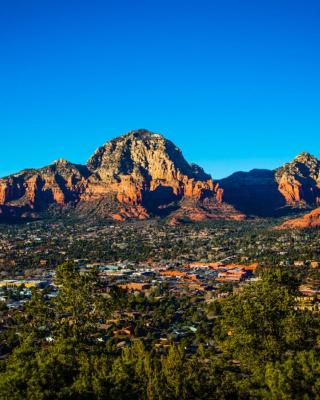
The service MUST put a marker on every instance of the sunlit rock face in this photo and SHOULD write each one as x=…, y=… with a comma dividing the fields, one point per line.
x=299, y=181
x=59, y=183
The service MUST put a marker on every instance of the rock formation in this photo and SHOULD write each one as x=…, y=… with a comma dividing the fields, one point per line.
x=141, y=174
x=309, y=220
x=299, y=181
x=271, y=193
x=147, y=174
x=254, y=193
x=137, y=175
x=60, y=183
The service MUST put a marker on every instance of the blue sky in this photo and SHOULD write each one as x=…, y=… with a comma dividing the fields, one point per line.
x=235, y=84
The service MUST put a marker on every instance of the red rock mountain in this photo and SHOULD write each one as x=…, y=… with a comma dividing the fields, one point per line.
x=299, y=181
x=136, y=175
x=310, y=220
x=142, y=174
x=270, y=193
x=60, y=183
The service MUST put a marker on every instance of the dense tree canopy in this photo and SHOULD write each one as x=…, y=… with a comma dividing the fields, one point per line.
x=262, y=346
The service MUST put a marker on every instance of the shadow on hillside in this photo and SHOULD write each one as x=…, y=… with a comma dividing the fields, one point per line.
x=161, y=201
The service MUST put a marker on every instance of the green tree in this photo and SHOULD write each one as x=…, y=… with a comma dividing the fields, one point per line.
x=298, y=377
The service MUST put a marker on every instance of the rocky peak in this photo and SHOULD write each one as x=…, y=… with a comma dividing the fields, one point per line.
x=142, y=168
x=133, y=176
x=296, y=184
x=65, y=169
x=299, y=180
x=62, y=162
x=305, y=157
x=142, y=134
x=143, y=153
x=304, y=165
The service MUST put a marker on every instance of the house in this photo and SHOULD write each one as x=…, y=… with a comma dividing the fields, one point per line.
x=299, y=263
x=128, y=331
x=133, y=286
x=233, y=275
x=174, y=274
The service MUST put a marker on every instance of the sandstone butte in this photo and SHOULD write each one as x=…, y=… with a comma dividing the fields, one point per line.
x=141, y=175
x=310, y=220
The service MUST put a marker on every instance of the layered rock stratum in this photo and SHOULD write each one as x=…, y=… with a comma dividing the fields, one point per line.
x=61, y=183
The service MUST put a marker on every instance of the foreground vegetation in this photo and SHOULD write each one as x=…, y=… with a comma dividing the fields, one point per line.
x=252, y=344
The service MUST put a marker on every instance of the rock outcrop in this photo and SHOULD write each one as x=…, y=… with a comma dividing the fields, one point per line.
x=310, y=220
x=35, y=189
x=299, y=181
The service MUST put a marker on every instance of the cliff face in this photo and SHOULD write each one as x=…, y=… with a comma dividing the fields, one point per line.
x=299, y=181
x=309, y=220
x=137, y=175
x=60, y=183
x=270, y=193
x=255, y=192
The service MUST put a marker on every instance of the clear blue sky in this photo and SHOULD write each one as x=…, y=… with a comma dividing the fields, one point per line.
x=235, y=84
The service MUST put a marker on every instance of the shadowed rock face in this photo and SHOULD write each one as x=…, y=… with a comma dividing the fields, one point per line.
x=255, y=192
x=272, y=193
x=136, y=175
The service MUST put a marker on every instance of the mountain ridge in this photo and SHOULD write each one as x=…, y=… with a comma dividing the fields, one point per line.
x=142, y=174
x=263, y=192
x=138, y=175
